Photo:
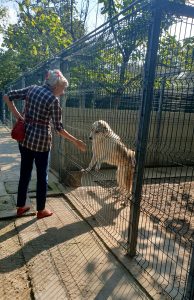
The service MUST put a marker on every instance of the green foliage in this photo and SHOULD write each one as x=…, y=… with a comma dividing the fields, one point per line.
x=113, y=7
x=130, y=36
x=170, y=51
x=188, y=52
x=177, y=54
x=116, y=59
x=9, y=69
x=43, y=29
x=113, y=61
x=3, y=14
x=39, y=37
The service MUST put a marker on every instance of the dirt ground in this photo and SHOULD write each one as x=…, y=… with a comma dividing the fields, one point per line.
x=173, y=205
x=166, y=227
x=169, y=203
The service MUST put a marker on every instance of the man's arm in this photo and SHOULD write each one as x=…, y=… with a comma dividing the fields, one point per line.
x=12, y=107
x=56, y=115
x=78, y=143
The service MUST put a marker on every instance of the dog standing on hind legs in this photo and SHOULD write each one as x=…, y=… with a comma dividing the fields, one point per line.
x=107, y=147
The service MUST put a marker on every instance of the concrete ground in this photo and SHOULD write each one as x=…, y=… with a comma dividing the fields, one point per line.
x=59, y=257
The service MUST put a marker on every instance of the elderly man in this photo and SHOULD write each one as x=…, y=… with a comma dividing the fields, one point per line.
x=42, y=106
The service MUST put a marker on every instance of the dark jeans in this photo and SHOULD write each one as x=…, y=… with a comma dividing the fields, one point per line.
x=42, y=164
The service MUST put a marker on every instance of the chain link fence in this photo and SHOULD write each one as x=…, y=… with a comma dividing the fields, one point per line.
x=136, y=73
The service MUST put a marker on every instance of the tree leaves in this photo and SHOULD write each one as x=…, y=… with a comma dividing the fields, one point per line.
x=44, y=28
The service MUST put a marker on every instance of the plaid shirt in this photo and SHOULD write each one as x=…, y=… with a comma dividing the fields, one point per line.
x=41, y=107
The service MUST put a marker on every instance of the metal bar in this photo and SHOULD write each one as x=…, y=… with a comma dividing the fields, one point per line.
x=142, y=139
x=159, y=112
x=101, y=27
x=158, y=120
x=180, y=9
x=175, y=8
x=1, y=106
x=190, y=282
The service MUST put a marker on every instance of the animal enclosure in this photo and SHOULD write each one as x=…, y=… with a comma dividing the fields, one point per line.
x=147, y=98
x=136, y=72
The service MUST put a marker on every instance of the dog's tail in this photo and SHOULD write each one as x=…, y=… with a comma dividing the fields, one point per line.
x=133, y=160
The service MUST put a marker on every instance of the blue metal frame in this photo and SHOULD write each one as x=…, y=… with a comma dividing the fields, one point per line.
x=144, y=122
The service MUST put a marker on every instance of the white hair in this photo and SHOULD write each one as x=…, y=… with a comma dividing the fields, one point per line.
x=55, y=77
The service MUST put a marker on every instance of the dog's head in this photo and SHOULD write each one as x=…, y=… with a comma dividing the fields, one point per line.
x=99, y=127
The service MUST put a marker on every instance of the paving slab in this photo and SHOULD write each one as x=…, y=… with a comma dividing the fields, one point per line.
x=8, y=207
x=11, y=187
x=7, y=214
x=3, y=191
x=6, y=202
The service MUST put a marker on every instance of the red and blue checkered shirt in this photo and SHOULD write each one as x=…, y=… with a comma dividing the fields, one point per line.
x=41, y=108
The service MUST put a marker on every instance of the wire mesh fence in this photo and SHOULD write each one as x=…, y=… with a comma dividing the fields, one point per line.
x=136, y=73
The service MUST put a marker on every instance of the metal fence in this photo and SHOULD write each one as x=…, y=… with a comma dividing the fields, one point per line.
x=136, y=73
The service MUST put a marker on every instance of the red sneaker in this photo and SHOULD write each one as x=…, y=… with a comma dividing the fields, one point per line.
x=22, y=210
x=44, y=213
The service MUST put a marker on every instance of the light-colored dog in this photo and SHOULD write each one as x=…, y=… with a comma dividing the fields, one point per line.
x=107, y=147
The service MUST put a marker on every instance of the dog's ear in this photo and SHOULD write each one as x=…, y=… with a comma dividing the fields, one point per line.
x=104, y=128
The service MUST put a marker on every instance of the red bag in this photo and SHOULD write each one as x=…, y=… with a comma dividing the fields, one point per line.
x=18, y=131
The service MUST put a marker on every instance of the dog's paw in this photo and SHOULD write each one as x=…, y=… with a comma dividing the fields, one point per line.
x=124, y=203
x=85, y=170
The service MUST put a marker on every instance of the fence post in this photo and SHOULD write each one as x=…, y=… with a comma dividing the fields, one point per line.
x=189, y=294
x=1, y=106
x=144, y=121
